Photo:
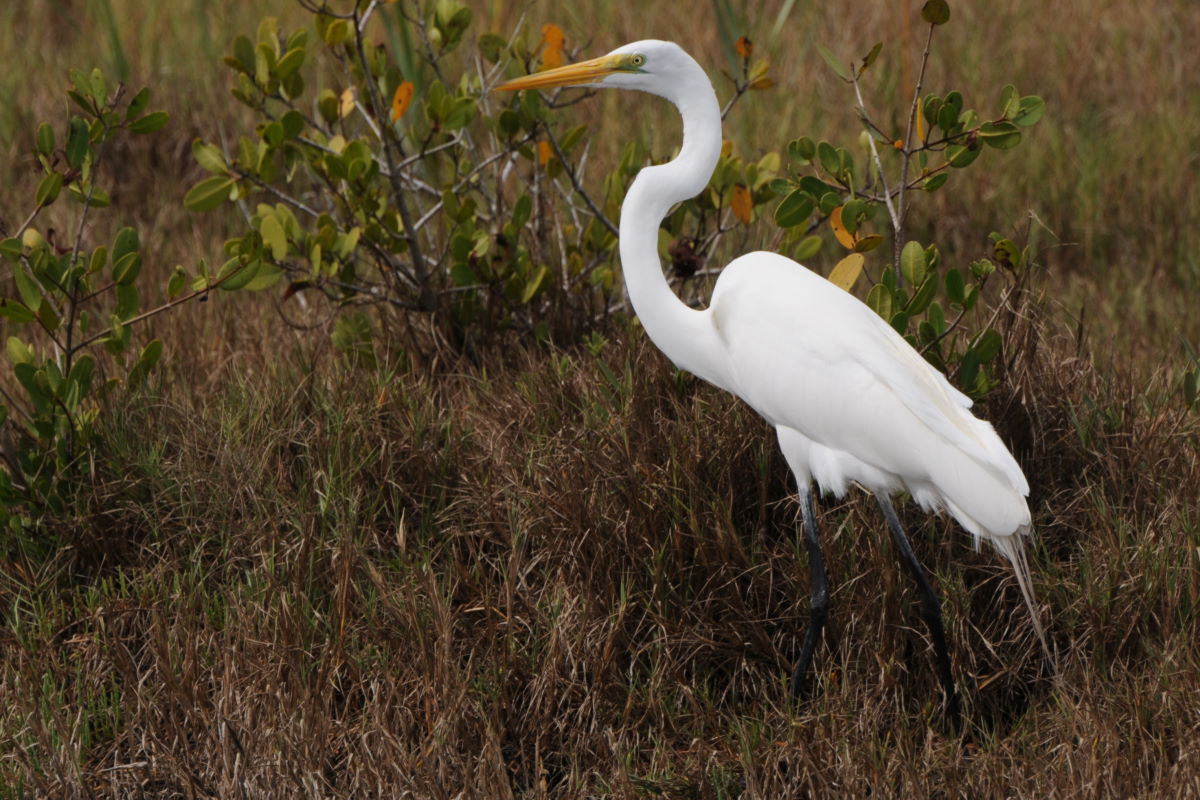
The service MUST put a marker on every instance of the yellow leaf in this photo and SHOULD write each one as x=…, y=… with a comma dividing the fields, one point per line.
x=847, y=271
x=726, y=148
x=758, y=71
x=544, y=153
x=346, y=103
x=844, y=237
x=401, y=99
x=742, y=203
x=744, y=47
x=761, y=84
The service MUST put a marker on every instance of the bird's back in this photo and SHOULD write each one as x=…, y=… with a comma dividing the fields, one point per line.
x=854, y=402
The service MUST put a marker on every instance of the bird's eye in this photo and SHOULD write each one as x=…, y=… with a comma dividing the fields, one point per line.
x=638, y=60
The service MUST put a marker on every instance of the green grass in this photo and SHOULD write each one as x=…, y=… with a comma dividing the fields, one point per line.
x=574, y=572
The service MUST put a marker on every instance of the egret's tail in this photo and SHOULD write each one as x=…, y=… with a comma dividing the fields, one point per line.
x=1013, y=548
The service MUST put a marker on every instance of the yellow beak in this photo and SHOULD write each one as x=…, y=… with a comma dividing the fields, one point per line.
x=570, y=75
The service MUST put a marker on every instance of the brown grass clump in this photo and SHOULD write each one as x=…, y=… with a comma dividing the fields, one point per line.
x=578, y=576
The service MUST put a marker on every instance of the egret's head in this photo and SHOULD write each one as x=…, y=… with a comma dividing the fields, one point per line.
x=658, y=67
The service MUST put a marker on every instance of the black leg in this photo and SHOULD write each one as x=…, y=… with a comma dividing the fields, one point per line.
x=818, y=609
x=931, y=608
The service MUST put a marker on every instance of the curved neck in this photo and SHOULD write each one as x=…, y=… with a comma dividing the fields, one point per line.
x=685, y=335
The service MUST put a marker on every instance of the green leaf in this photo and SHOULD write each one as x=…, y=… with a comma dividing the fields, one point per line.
x=1010, y=101
x=99, y=87
x=968, y=372
x=912, y=263
x=146, y=361
x=291, y=62
x=987, y=345
x=17, y=312
x=931, y=107
x=1030, y=110
x=831, y=162
x=339, y=32
x=208, y=193
x=961, y=155
x=265, y=277
x=935, y=182
x=808, y=247
x=982, y=268
x=879, y=299
x=491, y=45
x=125, y=243
x=462, y=112
x=533, y=284
x=834, y=64
x=138, y=104
x=243, y=54
x=293, y=124
x=795, y=209
x=45, y=139
x=936, y=318
x=870, y=57
x=28, y=376
x=125, y=269
x=210, y=157
x=48, y=189
x=522, y=209
x=79, y=380
x=98, y=260
x=923, y=296
x=152, y=122
x=28, y=288
x=19, y=352
x=936, y=12
x=151, y=353
x=128, y=302
x=78, y=141
x=274, y=237
x=463, y=275
x=802, y=149
x=234, y=275
x=1002, y=135
x=954, y=285
x=11, y=249
x=177, y=283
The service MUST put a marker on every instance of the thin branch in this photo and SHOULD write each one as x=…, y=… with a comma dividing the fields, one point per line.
x=567, y=168
x=901, y=210
x=414, y=243
x=887, y=193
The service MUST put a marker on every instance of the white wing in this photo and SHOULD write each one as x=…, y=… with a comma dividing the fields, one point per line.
x=854, y=402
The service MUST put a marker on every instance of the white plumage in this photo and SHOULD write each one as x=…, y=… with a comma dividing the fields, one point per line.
x=850, y=399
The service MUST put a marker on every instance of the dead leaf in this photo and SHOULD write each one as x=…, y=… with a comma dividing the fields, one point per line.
x=844, y=237
x=401, y=99
x=742, y=203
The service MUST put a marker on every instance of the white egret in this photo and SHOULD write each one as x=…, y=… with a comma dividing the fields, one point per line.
x=850, y=399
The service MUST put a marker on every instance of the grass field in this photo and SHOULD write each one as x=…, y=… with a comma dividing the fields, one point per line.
x=574, y=572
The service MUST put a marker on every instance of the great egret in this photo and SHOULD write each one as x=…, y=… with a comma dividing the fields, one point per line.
x=850, y=400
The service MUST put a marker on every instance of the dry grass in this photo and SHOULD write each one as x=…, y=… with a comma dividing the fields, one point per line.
x=575, y=577
x=575, y=574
